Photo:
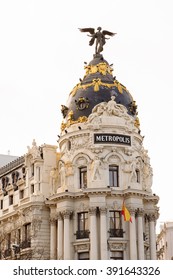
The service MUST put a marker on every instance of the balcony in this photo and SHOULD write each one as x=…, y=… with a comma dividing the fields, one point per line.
x=7, y=253
x=25, y=244
x=116, y=232
x=80, y=234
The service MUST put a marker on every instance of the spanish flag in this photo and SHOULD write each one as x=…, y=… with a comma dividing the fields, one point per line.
x=126, y=214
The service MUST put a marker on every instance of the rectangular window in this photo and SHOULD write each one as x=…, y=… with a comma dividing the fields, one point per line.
x=32, y=189
x=82, y=219
x=18, y=236
x=27, y=236
x=32, y=169
x=113, y=176
x=137, y=176
x=115, y=224
x=21, y=194
x=7, y=252
x=1, y=204
x=83, y=256
x=10, y=199
x=8, y=240
x=117, y=255
x=83, y=177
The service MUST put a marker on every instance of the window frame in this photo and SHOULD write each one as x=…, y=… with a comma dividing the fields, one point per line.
x=113, y=169
x=82, y=225
x=115, y=223
x=83, y=177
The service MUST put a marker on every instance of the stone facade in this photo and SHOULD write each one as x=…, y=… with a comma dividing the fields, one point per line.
x=164, y=242
x=24, y=216
x=67, y=205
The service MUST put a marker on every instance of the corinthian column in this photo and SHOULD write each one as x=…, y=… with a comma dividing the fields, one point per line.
x=152, y=232
x=52, y=238
x=132, y=233
x=60, y=237
x=93, y=234
x=67, y=234
x=103, y=234
x=140, y=234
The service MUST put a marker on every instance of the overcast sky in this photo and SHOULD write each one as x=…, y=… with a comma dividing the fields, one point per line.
x=42, y=56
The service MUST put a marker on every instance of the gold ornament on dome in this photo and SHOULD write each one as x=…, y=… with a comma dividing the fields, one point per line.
x=96, y=83
x=103, y=68
x=70, y=121
x=137, y=122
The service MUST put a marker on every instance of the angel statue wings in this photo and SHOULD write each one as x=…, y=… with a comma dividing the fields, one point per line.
x=98, y=36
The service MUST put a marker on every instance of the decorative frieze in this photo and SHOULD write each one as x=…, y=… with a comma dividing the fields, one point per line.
x=82, y=247
x=116, y=246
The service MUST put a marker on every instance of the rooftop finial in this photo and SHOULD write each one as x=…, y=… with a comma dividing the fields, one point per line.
x=99, y=36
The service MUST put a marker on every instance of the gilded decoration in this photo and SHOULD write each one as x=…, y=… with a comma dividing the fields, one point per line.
x=96, y=83
x=103, y=68
x=71, y=121
x=82, y=103
x=137, y=122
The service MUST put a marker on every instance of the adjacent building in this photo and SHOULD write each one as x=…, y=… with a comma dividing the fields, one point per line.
x=65, y=202
x=164, y=242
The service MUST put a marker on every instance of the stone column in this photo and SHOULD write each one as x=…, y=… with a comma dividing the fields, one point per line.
x=140, y=234
x=93, y=234
x=52, y=238
x=152, y=219
x=103, y=234
x=132, y=233
x=67, y=235
x=60, y=237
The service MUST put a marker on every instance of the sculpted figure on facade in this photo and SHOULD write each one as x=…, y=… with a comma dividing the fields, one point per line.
x=133, y=175
x=63, y=175
x=53, y=179
x=34, y=151
x=96, y=169
x=147, y=177
x=147, y=172
x=115, y=109
x=97, y=111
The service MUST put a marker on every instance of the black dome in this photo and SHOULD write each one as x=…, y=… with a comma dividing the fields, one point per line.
x=98, y=85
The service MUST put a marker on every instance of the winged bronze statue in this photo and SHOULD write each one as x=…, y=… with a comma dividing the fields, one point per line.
x=99, y=36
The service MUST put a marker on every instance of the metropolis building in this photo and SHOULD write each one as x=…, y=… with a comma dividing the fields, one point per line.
x=65, y=202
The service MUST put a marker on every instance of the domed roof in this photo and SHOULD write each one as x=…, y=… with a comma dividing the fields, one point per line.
x=98, y=85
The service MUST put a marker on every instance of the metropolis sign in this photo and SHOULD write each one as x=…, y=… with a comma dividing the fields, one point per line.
x=101, y=138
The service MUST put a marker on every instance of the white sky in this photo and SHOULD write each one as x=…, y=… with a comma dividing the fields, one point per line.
x=42, y=56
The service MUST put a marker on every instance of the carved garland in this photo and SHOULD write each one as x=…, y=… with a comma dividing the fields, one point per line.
x=96, y=83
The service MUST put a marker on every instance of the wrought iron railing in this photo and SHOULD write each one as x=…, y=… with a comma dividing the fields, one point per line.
x=25, y=244
x=82, y=234
x=116, y=232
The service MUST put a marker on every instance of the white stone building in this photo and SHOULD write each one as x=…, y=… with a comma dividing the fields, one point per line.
x=164, y=242
x=67, y=204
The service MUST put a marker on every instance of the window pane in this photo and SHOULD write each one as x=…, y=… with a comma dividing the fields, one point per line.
x=83, y=177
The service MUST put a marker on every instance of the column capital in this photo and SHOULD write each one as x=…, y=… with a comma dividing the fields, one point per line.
x=132, y=211
x=67, y=214
x=103, y=210
x=59, y=216
x=92, y=210
x=140, y=212
x=152, y=217
x=52, y=219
